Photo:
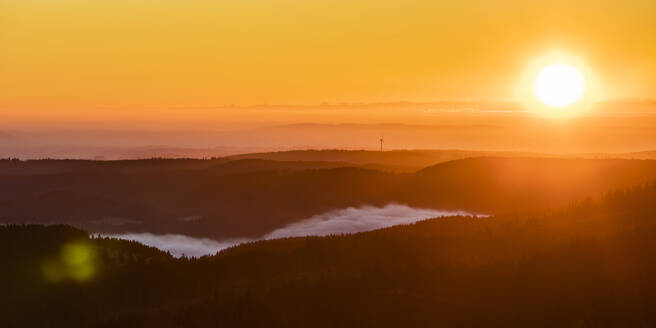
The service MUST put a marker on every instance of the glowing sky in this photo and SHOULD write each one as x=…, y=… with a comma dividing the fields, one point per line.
x=67, y=56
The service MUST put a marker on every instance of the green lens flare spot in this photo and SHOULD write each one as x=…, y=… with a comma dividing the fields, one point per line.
x=76, y=254
x=76, y=261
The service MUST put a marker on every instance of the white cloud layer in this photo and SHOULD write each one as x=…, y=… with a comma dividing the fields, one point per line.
x=352, y=219
x=342, y=221
x=180, y=244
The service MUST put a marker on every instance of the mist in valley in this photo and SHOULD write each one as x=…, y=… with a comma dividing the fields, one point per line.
x=336, y=222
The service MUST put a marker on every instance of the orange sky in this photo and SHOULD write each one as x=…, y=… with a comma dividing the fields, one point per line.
x=114, y=58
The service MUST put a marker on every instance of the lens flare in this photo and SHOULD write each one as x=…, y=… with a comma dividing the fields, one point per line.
x=76, y=261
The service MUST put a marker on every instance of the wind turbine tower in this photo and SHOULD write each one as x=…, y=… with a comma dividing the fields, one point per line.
x=381, y=143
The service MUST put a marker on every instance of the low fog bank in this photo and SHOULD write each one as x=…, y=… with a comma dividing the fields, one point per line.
x=351, y=219
x=179, y=245
x=341, y=221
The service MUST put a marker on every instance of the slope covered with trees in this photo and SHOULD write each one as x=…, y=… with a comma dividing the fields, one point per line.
x=587, y=265
x=248, y=198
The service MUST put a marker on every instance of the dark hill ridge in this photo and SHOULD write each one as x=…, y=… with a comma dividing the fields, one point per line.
x=494, y=185
x=254, y=165
x=249, y=198
x=10, y=167
x=394, y=160
x=391, y=160
x=587, y=265
x=413, y=160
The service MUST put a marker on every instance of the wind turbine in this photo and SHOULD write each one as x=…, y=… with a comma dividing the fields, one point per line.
x=381, y=143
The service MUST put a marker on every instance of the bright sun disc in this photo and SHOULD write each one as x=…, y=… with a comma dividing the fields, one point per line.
x=559, y=85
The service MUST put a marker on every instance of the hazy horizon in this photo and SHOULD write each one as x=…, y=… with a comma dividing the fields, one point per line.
x=608, y=128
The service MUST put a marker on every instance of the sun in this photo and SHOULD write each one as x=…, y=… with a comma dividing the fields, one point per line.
x=559, y=85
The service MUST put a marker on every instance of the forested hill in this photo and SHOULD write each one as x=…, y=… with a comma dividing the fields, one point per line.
x=249, y=198
x=588, y=265
x=413, y=160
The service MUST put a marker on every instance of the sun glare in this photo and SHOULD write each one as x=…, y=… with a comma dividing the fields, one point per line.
x=559, y=85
